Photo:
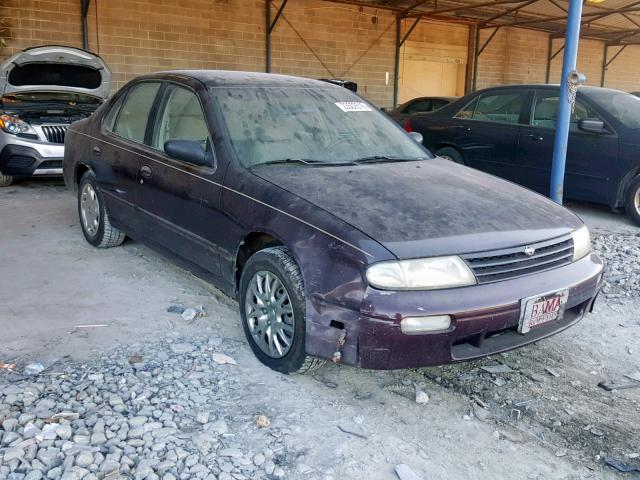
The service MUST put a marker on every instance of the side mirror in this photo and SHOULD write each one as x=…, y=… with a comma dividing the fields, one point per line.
x=592, y=125
x=416, y=136
x=186, y=150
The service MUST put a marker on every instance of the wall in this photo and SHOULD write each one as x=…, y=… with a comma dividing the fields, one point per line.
x=136, y=37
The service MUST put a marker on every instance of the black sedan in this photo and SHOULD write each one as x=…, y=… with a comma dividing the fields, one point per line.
x=419, y=105
x=509, y=132
x=341, y=237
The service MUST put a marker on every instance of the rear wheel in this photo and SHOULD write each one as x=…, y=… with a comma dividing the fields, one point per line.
x=633, y=200
x=449, y=153
x=5, y=180
x=272, y=307
x=94, y=218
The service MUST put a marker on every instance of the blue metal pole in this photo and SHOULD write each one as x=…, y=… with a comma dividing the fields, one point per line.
x=564, y=108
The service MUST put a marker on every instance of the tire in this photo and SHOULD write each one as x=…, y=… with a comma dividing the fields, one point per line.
x=633, y=200
x=268, y=267
x=449, y=153
x=94, y=218
x=5, y=180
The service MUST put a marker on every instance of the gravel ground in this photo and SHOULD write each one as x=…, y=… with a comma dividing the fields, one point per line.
x=150, y=396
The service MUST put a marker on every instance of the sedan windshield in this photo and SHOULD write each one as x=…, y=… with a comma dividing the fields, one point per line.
x=309, y=126
x=623, y=106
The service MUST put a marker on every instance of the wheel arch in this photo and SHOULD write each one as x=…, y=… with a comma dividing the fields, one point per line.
x=81, y=169
x=251, y=243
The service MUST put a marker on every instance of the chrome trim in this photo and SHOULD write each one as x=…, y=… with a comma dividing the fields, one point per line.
x=47, y=171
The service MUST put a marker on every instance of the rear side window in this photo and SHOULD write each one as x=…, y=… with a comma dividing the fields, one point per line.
x=497, y=108
x=419, y=106
x=131, y=120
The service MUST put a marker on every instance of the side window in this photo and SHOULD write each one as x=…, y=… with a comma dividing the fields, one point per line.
x=545, y=110
x=419, y=106
x=438, y=104
x=131, y=121
x=180, y=118
x=500, y=107
x=467, y=111
x=110, y=117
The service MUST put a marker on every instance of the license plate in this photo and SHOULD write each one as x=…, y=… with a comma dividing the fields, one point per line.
x=542, y=309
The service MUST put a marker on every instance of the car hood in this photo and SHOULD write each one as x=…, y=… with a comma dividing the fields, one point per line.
x=426, y=208
x=55, y=68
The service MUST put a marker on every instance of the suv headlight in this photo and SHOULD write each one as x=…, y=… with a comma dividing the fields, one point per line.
x=420, y=274
x=14, y=125
x=581, y=242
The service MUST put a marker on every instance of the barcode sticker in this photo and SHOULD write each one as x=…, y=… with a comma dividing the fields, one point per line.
x=353, y=107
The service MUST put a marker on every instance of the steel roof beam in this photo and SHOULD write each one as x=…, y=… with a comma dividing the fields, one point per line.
x=507, y=12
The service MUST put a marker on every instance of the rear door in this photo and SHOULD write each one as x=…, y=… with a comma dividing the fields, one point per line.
x=590, y=156
x=179, y=200
x=117, y=156
x=486, y=130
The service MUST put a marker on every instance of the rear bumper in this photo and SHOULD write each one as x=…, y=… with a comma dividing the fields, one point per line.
x=485, y=319
x=20, y=160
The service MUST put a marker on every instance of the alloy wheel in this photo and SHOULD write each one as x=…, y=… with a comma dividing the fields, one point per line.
x=269, y=314
x=90, y=209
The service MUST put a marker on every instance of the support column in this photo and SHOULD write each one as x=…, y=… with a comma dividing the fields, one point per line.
x=84, y=7
x=267, y=30
x=564, y=107
x=603, y=73
x=396, y=65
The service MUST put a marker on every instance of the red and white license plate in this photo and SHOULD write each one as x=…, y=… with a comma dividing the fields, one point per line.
x=542, y=309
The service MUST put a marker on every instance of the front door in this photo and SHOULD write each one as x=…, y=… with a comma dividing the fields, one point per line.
x=178, y=199
x=590, y=156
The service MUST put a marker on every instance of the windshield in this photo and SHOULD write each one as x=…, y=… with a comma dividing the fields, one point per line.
x=623, y=106
x=71, y=99
x=310, y=125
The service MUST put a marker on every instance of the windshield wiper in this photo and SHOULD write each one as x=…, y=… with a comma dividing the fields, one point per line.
x=384, y=158
x=305, y=161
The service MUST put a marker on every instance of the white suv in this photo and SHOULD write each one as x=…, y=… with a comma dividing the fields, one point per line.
x=44, y=89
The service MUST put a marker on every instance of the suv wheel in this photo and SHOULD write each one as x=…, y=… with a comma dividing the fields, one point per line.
x=5, y=180
x=451, y=154
x=272, y=307
x=94, y=217
x=633, y=200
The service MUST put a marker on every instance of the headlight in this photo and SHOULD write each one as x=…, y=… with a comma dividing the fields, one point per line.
x=14, y=125
x=581, y=243
x=420, y=274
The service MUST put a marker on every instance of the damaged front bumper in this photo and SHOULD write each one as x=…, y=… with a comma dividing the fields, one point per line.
x=484, y=321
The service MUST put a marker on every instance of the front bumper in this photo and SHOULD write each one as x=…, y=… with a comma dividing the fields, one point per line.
x=484, y=318
x=23, y=160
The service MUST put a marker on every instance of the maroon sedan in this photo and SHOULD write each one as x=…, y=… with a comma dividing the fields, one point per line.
x=341, y=237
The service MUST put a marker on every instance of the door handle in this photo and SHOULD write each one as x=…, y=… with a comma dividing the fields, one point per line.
x=464, y=128
x=146, y=171
x=97, y=150
x=535, y=138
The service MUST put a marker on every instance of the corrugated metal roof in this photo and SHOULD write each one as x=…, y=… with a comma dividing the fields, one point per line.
x=615, y=21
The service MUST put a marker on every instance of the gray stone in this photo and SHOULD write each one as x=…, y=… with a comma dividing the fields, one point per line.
x=182, y=348
x=84, y=459
x=258, y=459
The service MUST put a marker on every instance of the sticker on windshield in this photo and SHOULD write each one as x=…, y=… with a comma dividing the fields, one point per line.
x=353, y=107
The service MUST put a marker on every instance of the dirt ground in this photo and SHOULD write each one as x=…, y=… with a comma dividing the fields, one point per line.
x=64, y=301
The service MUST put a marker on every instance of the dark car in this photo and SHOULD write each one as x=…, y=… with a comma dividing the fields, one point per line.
x=509, y=132
x=419, y=105
x=341, y=237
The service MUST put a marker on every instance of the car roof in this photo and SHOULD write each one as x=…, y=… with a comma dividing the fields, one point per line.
x=546, y=86
x=229, y=78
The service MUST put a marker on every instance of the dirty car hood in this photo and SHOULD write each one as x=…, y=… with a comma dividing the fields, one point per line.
x=43, y=69
x=426, y=208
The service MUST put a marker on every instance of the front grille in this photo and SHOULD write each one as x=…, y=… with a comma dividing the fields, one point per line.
x=47, y=164
x=496, y=265
x=54, y=133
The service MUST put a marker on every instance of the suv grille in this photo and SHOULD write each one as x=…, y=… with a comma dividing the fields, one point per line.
x=496, y=265
x=54, y=133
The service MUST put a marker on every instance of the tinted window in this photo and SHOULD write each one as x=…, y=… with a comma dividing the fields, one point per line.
x=180, y=118
x=467, y=111
x=545, y=111
x=330, y=125
x=131, y=121
x=623, y=106
x=499, y=107
x=438, y=104
x=418, y=106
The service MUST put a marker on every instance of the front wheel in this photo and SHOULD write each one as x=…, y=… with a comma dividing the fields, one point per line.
x=633, y=200
x=5, y=180
x=451, y=154
x=94, y=218
x=272, y=307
